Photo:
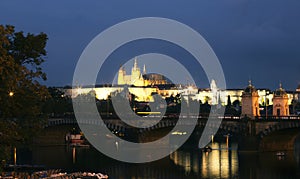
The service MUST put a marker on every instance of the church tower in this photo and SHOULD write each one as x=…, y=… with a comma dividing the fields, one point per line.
x=135, y=72
x=250, y=103
x=121, y=76
x=280, y=102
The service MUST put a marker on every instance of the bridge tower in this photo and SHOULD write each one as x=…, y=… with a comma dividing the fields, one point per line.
x=280, y=102
x=250, y=102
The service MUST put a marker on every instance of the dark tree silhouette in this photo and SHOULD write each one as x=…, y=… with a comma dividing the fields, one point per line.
x=21, y=94
x=58, y=104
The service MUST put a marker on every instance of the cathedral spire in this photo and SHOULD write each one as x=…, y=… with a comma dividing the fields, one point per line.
x=135, y=63
x=144, y=69
x=280, y=85
x=250, y=82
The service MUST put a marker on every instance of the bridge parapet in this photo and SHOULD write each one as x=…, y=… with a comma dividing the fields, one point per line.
x=60, y=121
x=259, y=126
x=276, y=118
x=265, y=128
x=250, y=132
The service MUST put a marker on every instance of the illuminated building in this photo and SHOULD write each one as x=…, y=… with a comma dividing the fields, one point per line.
x=250, y=102
x=280, y=102
x=102, y=92
x=212, y=95
x=137, y=78
x=215, y=92
x=144, y=85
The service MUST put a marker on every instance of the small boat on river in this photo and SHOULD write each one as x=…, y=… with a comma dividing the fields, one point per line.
x=280, y=154
x=76, y=138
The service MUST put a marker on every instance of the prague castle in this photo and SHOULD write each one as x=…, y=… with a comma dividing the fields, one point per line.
x=144, y=85
x=138, y=78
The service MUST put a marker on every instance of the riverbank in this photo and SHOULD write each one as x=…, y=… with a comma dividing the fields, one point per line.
x=51, y=174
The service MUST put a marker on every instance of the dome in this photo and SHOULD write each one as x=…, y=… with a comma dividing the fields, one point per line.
x=298, y=87
x=154, y=76
x=280, y=92
x=250, y=89
x=156, y=79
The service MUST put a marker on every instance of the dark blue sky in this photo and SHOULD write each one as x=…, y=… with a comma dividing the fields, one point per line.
x=257, y=39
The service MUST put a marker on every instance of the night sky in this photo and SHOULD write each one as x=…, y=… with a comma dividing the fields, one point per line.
x=257, y=39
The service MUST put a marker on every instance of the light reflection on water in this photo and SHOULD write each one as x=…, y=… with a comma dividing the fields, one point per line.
x=222, y=162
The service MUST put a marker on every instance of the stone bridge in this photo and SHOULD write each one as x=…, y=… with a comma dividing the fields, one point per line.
x=252, y=134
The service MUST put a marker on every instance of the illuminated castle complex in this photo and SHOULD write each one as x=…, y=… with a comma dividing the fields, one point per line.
x=252, y=102
x=138, y=78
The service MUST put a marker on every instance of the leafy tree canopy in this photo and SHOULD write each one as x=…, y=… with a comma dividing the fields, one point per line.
x=21, y=94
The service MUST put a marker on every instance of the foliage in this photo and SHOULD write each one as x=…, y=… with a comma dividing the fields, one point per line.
x=58, y=104
x=21, y=94
x=228, y=101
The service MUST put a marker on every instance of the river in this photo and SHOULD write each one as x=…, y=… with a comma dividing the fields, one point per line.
x=184, y=163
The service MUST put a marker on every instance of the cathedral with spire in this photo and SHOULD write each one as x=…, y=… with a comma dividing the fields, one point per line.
x=138, y=78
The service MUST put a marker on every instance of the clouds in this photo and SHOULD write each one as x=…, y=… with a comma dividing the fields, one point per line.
x=245, y=34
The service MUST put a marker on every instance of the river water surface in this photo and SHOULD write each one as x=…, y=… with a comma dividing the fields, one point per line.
x=184, y=163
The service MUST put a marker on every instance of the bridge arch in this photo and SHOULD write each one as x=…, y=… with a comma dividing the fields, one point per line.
x=278, y=138
x=278, y=127
x=252, y=134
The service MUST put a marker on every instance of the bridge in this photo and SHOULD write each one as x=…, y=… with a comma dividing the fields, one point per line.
x=258, y=134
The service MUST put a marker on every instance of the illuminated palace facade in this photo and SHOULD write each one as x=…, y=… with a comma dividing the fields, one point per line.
x=144, y=85
x=138, y=78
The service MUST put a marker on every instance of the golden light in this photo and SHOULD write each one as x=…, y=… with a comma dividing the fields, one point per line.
x=74, y=154
x=15, y=156
x=79, y=91
x=11, y=93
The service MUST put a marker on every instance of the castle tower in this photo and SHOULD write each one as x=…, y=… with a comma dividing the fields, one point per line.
x=121, y=76
x=250, y=103
x=135, y=72
x=280, y=102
